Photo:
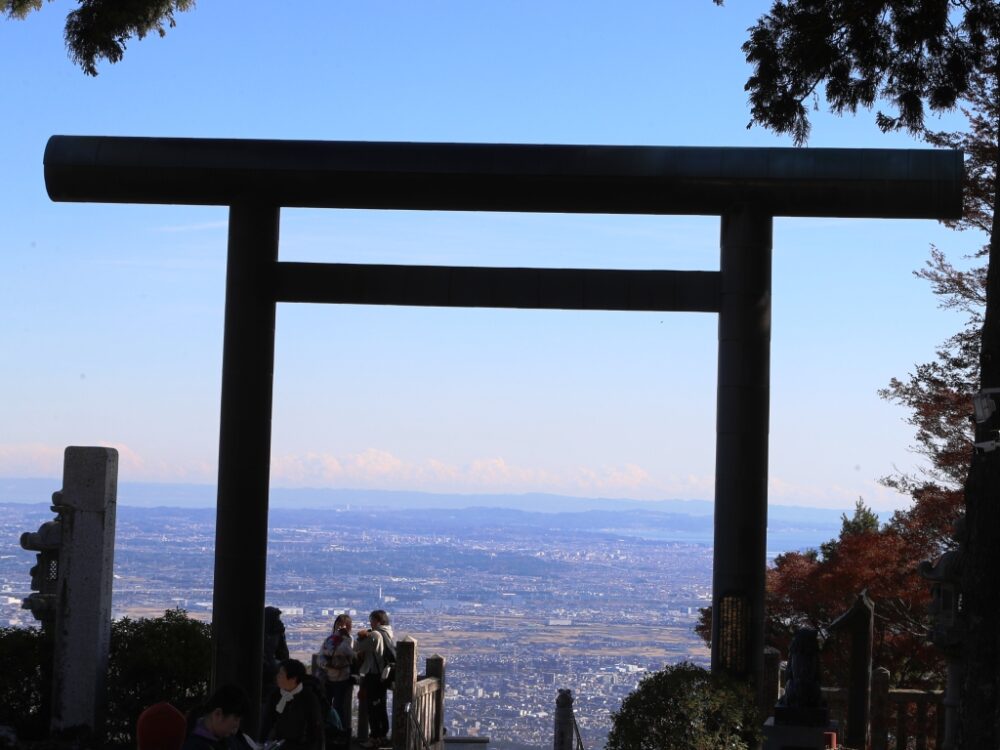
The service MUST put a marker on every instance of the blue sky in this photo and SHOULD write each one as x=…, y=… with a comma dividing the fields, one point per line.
x=111, y=315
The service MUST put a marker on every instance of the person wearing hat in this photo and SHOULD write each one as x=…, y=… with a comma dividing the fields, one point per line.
x=160, y=727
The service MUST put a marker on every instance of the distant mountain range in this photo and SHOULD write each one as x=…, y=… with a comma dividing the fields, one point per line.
x=151, y=494
x=789, y=527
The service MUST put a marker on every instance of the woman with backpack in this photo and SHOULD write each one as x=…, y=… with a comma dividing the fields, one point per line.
x=337, y=654
x=376, y=650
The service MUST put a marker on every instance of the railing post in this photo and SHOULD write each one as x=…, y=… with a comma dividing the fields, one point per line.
x=921, y=730
x=880, y=709
x=939, y=727
x=435, y=669
x=402, y=690
x=858, y=622
x=902, y=733
x=564, y=736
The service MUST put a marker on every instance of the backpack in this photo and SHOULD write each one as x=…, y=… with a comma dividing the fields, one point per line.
x=388, y=674
x=312, y=685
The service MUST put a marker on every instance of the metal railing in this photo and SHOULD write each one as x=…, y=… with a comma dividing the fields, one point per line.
x=576, y=734
x=416, y=736
x=420, y=715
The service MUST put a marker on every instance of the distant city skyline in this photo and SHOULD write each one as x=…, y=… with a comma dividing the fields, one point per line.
x=112, y=315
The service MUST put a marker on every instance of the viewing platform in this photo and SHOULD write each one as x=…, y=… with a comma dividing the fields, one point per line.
x=417, y=718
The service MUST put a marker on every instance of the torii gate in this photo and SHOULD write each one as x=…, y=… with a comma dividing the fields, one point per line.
x=746, y=187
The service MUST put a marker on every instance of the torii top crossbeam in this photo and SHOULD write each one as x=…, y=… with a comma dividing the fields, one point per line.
x=881, y=183
x=746, y=187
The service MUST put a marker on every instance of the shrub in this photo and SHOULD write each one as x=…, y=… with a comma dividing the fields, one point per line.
x=685, y=707
x=155, y=659
x=151, y=660
x=25, y=681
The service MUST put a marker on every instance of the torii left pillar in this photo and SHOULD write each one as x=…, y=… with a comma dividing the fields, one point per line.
x=245, y=451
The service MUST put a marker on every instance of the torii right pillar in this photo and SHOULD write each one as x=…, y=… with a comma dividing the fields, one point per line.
x=741, y=444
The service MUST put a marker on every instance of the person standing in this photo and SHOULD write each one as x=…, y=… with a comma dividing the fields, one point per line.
x=275, y=645
x=338, y=657
x=373, y=648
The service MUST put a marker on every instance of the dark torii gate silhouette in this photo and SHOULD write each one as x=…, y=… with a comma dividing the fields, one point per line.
x=746, y=187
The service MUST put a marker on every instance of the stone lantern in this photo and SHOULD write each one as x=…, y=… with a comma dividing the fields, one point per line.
x=947, y=627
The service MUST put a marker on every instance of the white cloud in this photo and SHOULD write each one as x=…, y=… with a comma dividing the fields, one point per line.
x=379, y=469
x=46, y=460
x=374, y=468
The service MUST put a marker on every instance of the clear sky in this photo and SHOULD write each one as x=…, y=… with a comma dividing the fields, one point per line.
x=111, y=315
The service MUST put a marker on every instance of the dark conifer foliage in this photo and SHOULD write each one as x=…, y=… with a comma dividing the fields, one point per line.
x=100, y=29
x=25, y=680
x=916, y=56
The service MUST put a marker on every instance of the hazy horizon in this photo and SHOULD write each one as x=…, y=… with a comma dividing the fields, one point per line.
x=29, y=490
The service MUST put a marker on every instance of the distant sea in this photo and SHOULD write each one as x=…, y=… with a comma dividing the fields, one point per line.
x=778, y=541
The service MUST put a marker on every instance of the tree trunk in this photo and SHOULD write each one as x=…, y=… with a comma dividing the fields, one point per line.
x=981, y=594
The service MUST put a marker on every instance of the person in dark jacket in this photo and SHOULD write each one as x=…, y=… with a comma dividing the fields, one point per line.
x=275, y=645
x=294, y=712
x=216, y=724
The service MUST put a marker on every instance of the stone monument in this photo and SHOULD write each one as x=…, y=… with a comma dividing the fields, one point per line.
x=73, y=577
x=801, y=719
